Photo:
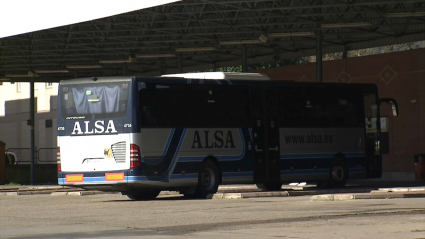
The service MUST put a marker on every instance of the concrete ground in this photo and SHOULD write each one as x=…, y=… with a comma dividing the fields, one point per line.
x=172, y=216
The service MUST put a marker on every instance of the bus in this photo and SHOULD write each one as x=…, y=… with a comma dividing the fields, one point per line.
x=193, y=132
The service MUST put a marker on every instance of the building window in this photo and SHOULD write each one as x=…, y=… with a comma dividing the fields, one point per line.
x=49, y=84
x=19, y=86
x=35, y=86
x=49, y=123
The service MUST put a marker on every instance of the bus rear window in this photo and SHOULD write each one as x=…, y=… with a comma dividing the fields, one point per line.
x=94, y=101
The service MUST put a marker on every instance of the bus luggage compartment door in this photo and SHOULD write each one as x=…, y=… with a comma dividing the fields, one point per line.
x=265, y=136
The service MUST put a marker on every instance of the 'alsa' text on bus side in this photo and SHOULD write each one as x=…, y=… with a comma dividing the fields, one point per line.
x=208, y=142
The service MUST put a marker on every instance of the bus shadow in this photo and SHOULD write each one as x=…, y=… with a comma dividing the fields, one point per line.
x=177, y=197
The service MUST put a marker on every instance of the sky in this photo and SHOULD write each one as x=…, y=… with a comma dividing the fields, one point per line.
x=23, y=16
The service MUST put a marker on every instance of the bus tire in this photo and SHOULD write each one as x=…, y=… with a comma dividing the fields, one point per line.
x=208, y=180
x=269, y=186
x=143, y=195
x=338, y=174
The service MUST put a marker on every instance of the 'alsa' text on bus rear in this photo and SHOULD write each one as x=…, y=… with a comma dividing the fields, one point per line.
x=98, y=128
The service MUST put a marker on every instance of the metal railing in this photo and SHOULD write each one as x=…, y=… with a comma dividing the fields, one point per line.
x=47, y=155
x=41, y=156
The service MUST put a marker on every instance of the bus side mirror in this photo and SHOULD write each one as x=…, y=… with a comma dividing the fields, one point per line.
x=393, y=103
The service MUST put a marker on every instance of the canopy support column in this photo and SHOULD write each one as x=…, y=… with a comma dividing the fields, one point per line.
x=319, y=65
x=345, y=53
x=215, y=66
x=124, y=69
x=244, y=59
x=180, y=63
x=32, y=119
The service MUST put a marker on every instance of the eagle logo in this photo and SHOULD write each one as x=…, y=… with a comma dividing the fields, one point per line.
x=107, y=152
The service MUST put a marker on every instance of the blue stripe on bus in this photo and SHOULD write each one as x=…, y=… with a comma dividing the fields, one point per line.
x=352, y=170
x=238, y=174
x=218, y=157
x=304, y=171
x=136, y=178
x=176, y=152
x=172, y=177
x=354, y=155
x=86, y=180
x=102, y=179
x=170, y=136
x=230, y=82
x=184, y=176
x=225, y=82
x=191, y=159
x=250, y=134
x=94, y=179
x=319, y=155
x=224, y=174
x=145, y=179
x=173, y=145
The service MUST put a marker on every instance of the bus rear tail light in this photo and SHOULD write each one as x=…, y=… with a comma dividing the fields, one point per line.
x=58, y=157
x=134, y=156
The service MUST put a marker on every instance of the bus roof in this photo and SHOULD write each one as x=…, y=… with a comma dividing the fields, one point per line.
x=194, y=79
x=221, y=76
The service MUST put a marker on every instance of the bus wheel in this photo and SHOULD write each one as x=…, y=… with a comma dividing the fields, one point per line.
x=143, y=195
x=269, y=186
x=208, y=180
x=339, y=174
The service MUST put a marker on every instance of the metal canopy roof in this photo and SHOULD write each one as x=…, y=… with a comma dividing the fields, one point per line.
x=156, y=40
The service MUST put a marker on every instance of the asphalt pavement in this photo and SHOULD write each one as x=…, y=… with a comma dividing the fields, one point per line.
x=109, y=216
x=354, y=190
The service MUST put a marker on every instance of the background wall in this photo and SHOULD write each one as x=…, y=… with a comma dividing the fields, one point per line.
x=15, y=132
x=399, y=75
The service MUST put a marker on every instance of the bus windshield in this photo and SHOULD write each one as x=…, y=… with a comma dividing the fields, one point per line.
x=94, y=101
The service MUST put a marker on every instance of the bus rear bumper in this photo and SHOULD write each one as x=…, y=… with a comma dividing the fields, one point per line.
x=83, y=178
x=120, y=180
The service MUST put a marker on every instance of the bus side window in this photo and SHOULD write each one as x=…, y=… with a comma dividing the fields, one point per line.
x=146, y=108
x=123, y=98
x=230, y=107
x=68, y=99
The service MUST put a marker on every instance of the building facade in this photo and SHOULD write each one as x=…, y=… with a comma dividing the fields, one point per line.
x=14, y=113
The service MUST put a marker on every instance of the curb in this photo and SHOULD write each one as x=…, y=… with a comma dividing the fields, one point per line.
x=9, y=194
x=81, y=193
x=420, y=189
x=245, y=191
x=371, y=195
x=247, y=195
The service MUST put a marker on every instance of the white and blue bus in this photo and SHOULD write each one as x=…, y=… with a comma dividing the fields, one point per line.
x=191, y=133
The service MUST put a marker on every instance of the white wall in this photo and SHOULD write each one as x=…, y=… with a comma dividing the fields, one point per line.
x=9, y=91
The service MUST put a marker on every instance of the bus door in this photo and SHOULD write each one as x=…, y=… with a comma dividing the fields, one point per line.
x=265, y=133
x=372, y=144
